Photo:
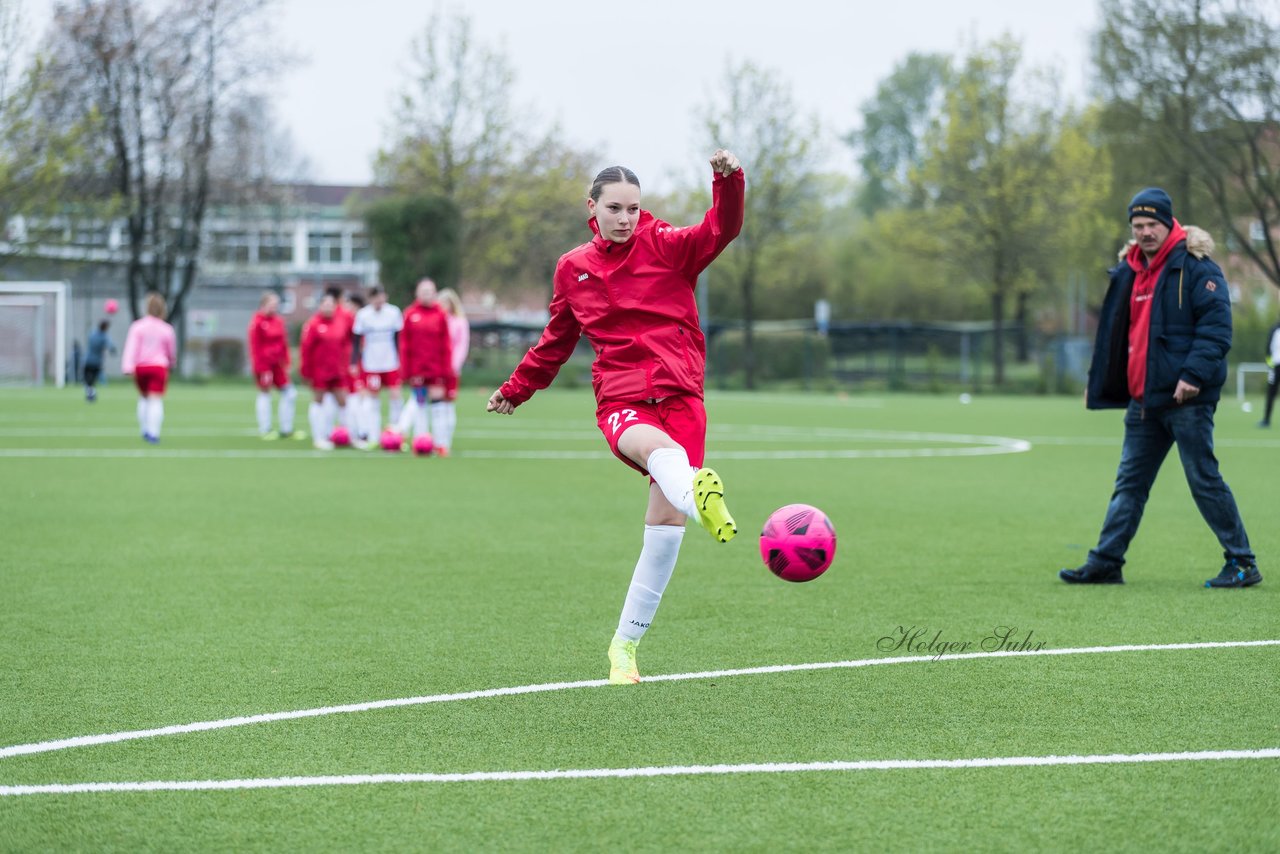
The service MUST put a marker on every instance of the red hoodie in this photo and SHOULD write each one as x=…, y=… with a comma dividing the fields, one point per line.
x=635, y=303
x=268, y=344
x=1140, y=301
x=425, y=345
x=325, y=352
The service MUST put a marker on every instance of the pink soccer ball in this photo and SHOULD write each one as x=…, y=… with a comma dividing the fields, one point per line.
x=111, y=306
x=423, y=444
x=391, y=441
x=798, y=542
x=340, y=437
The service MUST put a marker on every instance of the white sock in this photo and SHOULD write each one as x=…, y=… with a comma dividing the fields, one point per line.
x=653, y=571
x=329, y=409
x=440, y=421
x=444, y=433
x=315, y=414
x=395, y=406
x=155, y=415
x=670, y=469
x=420, y=427
x=372, y=416
x=262, y=407
x=408, y=414
x=142, y=415
x=288, y=396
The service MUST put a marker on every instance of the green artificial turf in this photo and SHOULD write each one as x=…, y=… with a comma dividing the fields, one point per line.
x=217, y=576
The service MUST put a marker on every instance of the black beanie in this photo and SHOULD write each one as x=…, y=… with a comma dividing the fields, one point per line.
x=1153, y=202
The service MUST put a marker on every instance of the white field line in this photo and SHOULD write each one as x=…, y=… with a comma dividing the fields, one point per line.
x=970, y=446
x=227, y=723
x=621, y=773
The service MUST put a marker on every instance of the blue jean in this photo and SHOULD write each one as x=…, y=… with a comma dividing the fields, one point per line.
x=1147, y=438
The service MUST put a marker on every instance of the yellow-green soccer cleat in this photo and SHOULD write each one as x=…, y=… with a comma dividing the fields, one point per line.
x=708, y=496
x=622, y=662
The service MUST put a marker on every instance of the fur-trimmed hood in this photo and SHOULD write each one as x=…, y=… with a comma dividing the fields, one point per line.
x=1199, y=243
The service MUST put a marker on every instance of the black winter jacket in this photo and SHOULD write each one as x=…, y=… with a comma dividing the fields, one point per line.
x=1190, y=330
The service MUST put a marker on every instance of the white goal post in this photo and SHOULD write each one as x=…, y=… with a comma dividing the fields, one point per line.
x=33, y=333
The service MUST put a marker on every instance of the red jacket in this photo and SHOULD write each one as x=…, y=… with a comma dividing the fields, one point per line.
x=426, y=351
x=326, y=348
x=635, y=303
x=268, y=344
x=1145, y=278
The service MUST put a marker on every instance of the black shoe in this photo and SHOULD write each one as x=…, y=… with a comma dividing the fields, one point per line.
x=1092, y=574
x=1236, y=574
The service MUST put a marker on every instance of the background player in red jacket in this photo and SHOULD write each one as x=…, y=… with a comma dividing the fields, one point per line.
x=630, y=291
x=326, y=359
x=426, y=360
x=269, y=356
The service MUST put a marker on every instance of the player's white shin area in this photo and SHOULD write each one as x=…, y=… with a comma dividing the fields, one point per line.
x=444, y=425
x=262, y=408
x=404, y=423
x=315, y=414
x=670, y=469
x=288, y=396
x=155, y=416
x=649, y=580
x=439, y=420
x=420, y=425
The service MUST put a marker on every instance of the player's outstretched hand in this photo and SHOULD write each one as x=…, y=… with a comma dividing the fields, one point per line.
x=499, y=404
x=725, y=162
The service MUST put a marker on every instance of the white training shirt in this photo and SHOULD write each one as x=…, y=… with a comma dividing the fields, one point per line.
x=1274, y=347
x=379, y=328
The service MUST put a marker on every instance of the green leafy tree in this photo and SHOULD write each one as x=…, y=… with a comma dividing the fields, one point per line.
x=985, y=175
x=757, y=118
x=414, y=237
x=39, y=159
x=895, y=122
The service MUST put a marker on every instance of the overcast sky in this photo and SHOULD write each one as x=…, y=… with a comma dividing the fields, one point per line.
x=627, y=79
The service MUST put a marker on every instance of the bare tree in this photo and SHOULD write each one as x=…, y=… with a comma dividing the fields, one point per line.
x=1198, y=108
x=457, y=134
x=161, y=80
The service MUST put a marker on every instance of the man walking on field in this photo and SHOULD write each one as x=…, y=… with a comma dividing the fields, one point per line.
x=1161, y=353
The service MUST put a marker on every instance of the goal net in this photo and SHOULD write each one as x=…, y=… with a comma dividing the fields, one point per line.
x=33, y=333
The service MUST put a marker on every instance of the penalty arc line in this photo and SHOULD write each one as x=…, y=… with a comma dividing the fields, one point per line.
x=227, y=723
x=652, y=771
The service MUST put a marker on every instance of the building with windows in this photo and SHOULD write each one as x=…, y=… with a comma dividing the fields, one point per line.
x=307, y=239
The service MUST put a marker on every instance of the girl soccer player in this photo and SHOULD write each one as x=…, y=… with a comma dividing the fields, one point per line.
x=150, y=351
x=631, y=292
x=269, y=354
x=460, y=341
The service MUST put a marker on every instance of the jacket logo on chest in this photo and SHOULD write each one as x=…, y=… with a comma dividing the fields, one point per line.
x=584, y=277
x=1210, y=286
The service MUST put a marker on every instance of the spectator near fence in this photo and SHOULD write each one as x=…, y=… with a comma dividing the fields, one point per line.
x=1273, y=359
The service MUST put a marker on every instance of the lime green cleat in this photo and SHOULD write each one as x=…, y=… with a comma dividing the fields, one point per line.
x=270, y=436
x=622, y=662
x=708, y=497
